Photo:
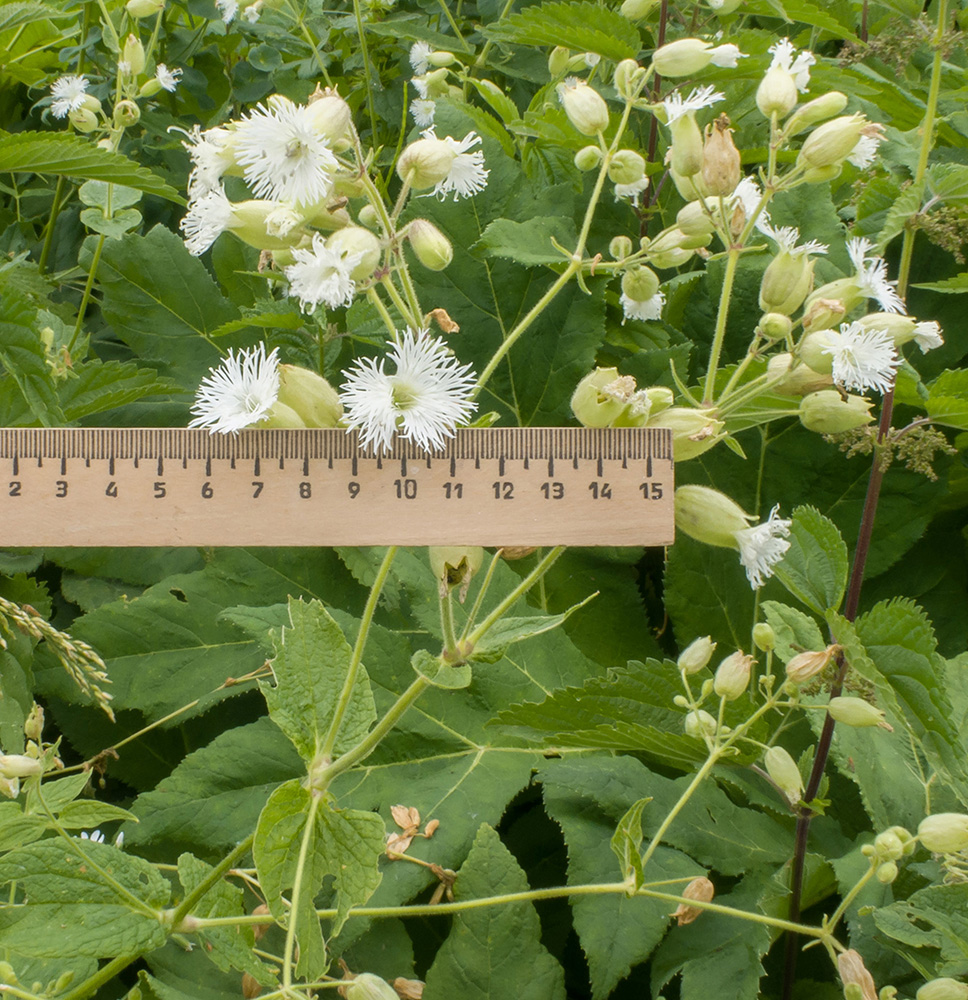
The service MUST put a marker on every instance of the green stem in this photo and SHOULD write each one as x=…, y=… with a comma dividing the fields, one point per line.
x=530, y=896
x=831, y=922
x=402, y=307
x=356, y=659
x=49, y=234
x=519, y=591
x=227, y=863
x=719, y=335
x=109, y=25
x=373, y=296
x=364, y=49
x=479, y=599
x=447, y=625
x=372, y=739
x=486, y=51
x=103, y=975
x=312, y=44
x=85, y=298
x=453, y=24
x=308, y=832
x=927, y=137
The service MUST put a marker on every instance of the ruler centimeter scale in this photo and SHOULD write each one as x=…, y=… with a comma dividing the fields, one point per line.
x=497, y=486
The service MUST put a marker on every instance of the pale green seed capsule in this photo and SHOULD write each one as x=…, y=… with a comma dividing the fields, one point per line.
x=696, y=655
x=944, y=833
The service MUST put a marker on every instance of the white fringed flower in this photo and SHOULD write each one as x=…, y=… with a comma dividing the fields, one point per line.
x=208, y=217
x=211, y=155
x=283, y=156
x=863, y=359
x=228, y=9
x=632, y=190
x=167, y=78
x=872, y=275
x=252, y=13
x=68, y=95
x=322, y=275
x=786, y=239
x=423, y=401
x=676, y=106
x=927, y=335
x=419, y=53
x=798, y=67
x=762, y=546
x=239, y=392
x=649, y=309
x=747, y=195
x=423, y=112
x=467, y=175
x=865, y=151
x=726, y=56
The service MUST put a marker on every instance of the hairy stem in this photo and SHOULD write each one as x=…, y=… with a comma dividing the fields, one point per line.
x=297, y=886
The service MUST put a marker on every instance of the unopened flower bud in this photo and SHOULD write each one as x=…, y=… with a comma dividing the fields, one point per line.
x=696, y=655
x=826, y=306
x=782, y=768
x=601, y=397
x=777, y=93
x=831, y=143
x=794, y=380
x=721, y=170
x=694, y=220
x=17, y=765
x=357, y=240
x=310, y=396
x=133, y=54
x=425, y=163
x=822, y=175
x=628, y=75
x=733, y=676
x=827, y=412
x=368, y=217
x=83, y=120
x=908, y=840
x=853, y=972
x=329, y=116
x=660, y=398
x=944, y=833
x=886, y=872
x=34, y=726
x=943, y=989
x=558, y=61
x=366, y=986
x=693, y=431
x=699, y=724
x=709, y=516
x=626, y=167
x=635, y=10
x=682, y=57
x=280, y=416
x=640, y=283
x=764, y=638
x=858, y=713
x=699, y=889
x=588, y=158
x=786, y=282
x=888, y=846
x=144, y=8
x=432, y=248
x=584, y=106
x=150, y=87
x=815, y=111
x=619, y=247
x=126, y=113
x=685, y=151
x=775, y=326
x=440, y=57
x=805, y=666
x=455, y=565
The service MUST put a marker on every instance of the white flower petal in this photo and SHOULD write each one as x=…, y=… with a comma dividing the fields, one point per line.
x=649, y=309
x=467, y=175
x=872, y=275
x=68, y=95
x=322, y=275
x=168, y=78
x=702, y=97
x=419, y=52
x=726, y=56
x=762, y=546
x=927, y=336
x=208, y=217
x=423, y=401
x=228, y=9
x=239, y=392
x=282, y=155
x=423, y=112
x=863, y=359
x=864, y=152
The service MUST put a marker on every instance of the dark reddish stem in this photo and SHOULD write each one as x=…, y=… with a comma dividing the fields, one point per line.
x=826, y=735
x=863, y=22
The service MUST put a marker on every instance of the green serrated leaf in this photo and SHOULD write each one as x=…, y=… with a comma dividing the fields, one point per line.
x=260, y=321
x=309, y=670
x=115, y=225
x=947, y=401
x=949, y=286
x=814, y=568
x=934, y=921
x=68, y=155
x=90, y=814
x=948, y=182
x=229, y=947
x=494, y=952
x=584, y=27
x=105, y=385
x=904, y=207
x=795, y=631
x=507, y=631
x=13, y=15
x=496, y=99
x=528, y=242
x=24, y=361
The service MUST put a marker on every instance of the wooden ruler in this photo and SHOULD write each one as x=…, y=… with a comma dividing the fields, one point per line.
x=500, y=486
